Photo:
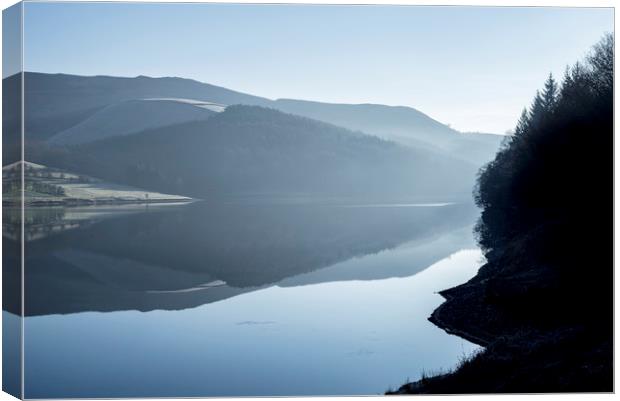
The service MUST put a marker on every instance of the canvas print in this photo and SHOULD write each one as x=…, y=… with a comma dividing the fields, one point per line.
x=224, y=200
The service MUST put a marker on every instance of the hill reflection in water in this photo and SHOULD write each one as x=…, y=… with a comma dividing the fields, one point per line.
x=184, y=256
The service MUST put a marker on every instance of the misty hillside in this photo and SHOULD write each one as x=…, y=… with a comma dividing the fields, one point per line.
x=250, y=149
x=405, y=125
x=58, y=102
x=165, y=135
x=376, y=118
x=131, y=116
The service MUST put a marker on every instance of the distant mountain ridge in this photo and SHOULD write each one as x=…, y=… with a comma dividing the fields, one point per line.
x=401, y=124
x=174, y=135
x=59, y=102
x=385, y=121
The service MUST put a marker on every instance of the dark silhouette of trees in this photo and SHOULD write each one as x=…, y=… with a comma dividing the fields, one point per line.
x=542, y=304
x=553, y=181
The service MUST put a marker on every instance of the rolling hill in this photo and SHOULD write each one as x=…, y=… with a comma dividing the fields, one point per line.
x=173, y=135
x=56, y=103
x=251, y=149
x=131, y=116
x=404, y=125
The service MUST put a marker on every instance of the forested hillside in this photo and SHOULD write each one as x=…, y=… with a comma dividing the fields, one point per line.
x=250, y=150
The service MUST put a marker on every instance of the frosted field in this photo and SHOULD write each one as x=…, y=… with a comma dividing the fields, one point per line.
x=103, y=190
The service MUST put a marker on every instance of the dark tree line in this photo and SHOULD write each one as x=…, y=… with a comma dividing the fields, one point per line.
x=553, y=179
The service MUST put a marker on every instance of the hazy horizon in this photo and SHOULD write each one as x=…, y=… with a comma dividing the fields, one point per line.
x=473, y=68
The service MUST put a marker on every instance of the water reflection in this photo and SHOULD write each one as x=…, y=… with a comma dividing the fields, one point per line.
x=182, y=257
x=334, y=338
x=314, y=299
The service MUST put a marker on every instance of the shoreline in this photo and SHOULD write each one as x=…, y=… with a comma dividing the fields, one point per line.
x=435, y=318
x=71, y=202
x=532, y=343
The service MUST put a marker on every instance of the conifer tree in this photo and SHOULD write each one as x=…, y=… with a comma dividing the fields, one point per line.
x=537, y=110
x=602, y=61
x=523, y=123
x=550, y=94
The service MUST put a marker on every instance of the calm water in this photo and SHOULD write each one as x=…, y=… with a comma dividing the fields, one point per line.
x=240, y=298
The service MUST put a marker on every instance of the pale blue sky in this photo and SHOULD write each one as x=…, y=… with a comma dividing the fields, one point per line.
x=471, y=67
